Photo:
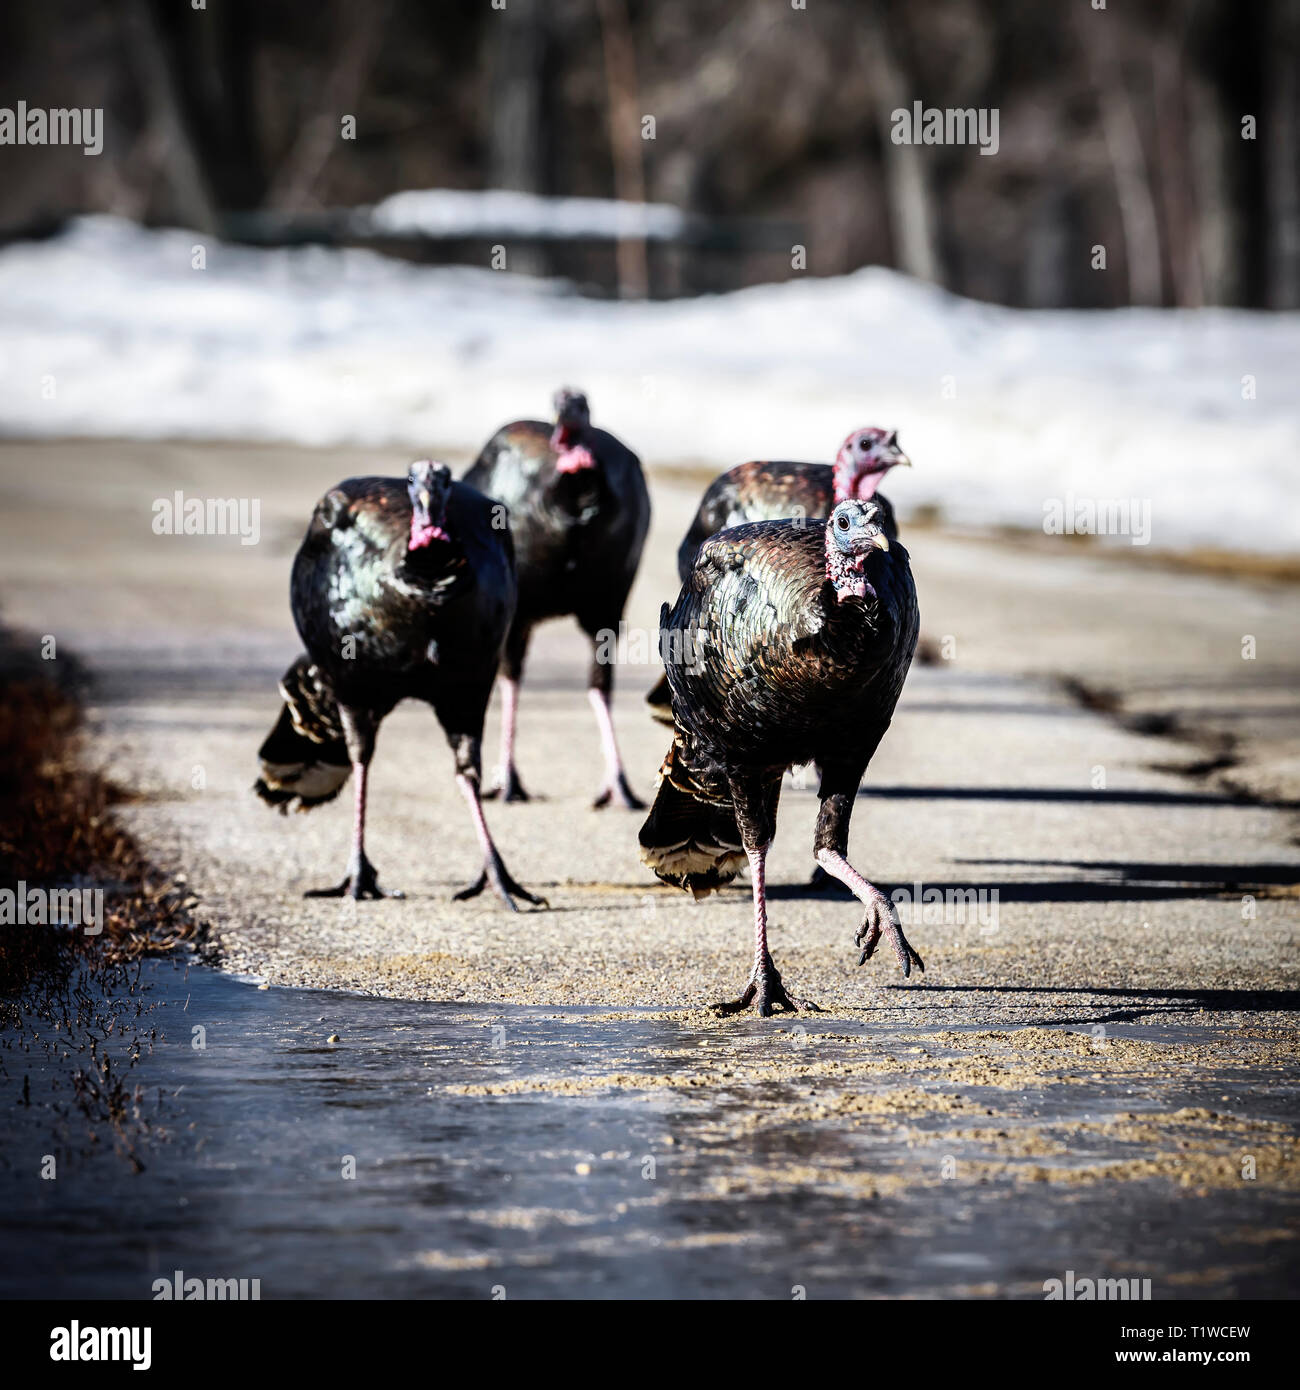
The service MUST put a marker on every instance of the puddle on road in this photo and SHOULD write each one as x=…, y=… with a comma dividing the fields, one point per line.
x=577, y=1153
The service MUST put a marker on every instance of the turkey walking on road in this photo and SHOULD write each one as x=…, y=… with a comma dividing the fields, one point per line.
x=402, y=588
x=767, y=491
x=788, y=644
x=579, y=513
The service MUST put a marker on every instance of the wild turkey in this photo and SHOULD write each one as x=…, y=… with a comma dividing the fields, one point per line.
x=765, y=491
x=789, y=644
x=579, y=512
x=401, y=588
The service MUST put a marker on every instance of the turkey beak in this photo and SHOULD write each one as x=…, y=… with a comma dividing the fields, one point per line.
x=878, y=538
x=894, y=456
x=428, y=486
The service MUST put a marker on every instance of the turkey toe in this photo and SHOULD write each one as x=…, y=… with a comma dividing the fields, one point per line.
x=361, y=883
x=764, y=993
x=617, y=792
x=497, y=877
x=881, y=918
x=507, y=787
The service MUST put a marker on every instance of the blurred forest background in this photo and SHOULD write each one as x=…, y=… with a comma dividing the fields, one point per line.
x=1119, y=127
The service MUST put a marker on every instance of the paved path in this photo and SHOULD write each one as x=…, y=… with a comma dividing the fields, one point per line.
x=1118, y=888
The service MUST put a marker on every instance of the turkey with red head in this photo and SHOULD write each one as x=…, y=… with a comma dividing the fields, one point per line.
x=788, y=644
x=767, y=491
x=403, y=588
x=579, y=513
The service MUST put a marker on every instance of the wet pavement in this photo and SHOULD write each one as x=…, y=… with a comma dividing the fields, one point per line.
x=528, y=1152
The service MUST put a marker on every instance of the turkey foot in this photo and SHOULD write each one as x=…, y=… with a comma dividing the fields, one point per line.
x=507, y=786
x=763, y=993
x=615, y=787
x=361, y=882
x=882, y=915
x=503, y=885
x=494, y=870
x=617, y=790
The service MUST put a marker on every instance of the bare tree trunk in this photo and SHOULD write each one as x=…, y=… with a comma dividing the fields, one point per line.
x=232, y=109
x=1175, y=180
x=1283, y=156
x=361, y=29
x=1128, y=162
x=191, y=188
x=1046, y=277
x=196, y=68
x=515, y=130
x=908, y=180
x=1218, y=219
x=517, y=116
x=625, y=139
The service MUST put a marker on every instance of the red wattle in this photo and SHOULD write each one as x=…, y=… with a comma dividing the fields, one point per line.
x=574, y=460
x=422, y=535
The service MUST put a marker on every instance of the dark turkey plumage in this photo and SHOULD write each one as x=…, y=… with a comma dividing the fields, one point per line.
x=770, y=491
x=579, y=513
x=788, y=644
x=766, y=491
x=401, y=589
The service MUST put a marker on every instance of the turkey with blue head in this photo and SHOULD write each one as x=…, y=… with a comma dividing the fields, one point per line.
x=788, y=644
x=764, y=490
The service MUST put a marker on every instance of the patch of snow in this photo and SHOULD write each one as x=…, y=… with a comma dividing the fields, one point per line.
x=108, y=330
x=466, y=213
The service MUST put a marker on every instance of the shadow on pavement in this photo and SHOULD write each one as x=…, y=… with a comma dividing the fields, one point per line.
x=1119, y=796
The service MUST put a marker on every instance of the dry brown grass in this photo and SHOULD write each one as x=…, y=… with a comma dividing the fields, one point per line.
x=73, y=1014
x=57, y=827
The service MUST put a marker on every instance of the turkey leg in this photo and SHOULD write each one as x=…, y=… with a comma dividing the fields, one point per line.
x=494, y=869
x=507, y=785
x=614, y=787
x=466, y=749
x=830, y=844
x=361, y=880
x=764, y=991
x=599, y=684
x=821, y=881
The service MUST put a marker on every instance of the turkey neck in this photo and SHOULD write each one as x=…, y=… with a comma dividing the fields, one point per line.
x=847, y=575
x=432, y=567
x=579, y=495
x=856, y=620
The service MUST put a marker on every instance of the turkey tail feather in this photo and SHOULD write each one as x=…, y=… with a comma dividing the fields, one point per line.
x=690, y=838
x=304, y=758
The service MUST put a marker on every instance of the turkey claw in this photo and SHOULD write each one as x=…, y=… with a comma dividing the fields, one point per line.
x=497, y=876
x=507, y=786
x=881, y=918
x=361, y=882
x=763, y=993
x=617, y=790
